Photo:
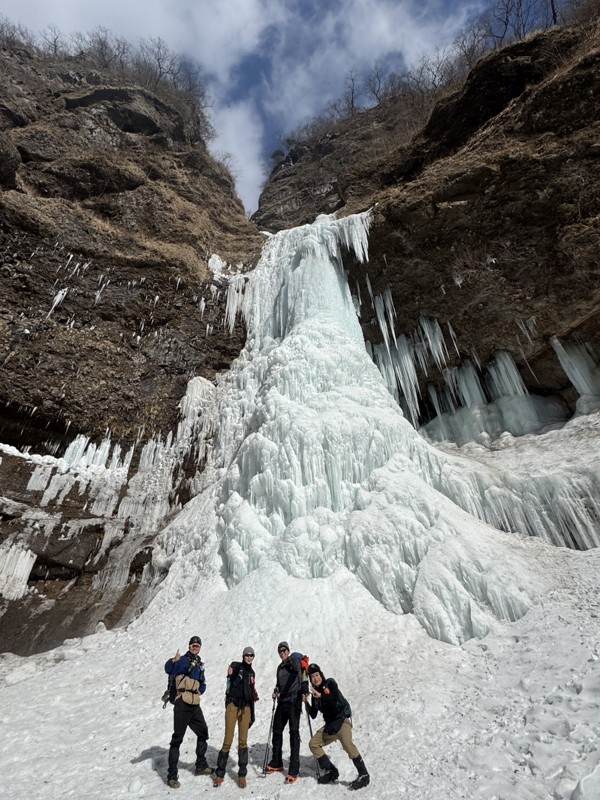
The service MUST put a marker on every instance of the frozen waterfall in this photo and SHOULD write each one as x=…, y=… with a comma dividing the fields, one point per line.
x=315, y=467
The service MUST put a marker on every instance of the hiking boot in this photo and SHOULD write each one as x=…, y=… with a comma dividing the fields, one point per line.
x=329, y=777
x=363, y=775
x=360, y=782
x=329, y=772
x=218, y=781
x=173, y=783
x=242, y=783
x=206, y=770
x=291, y=778
x=269, y=769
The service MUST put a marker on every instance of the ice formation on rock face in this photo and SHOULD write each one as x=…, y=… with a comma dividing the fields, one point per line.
x=57, y=300
x=16, y=563
x=469, y=408
x=470, y=405
x=583, y=370
x=316, y=468
x=138, y=501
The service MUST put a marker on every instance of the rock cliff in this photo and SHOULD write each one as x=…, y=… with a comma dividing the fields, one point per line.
x=110, y=209
x=489, y=219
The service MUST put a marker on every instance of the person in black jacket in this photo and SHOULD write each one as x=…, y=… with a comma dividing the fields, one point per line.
x=327, y=698
x=188, y=673
x=240, y=697
x=289, y=690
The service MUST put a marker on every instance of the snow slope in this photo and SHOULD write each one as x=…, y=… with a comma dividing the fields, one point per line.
x=324, y=519
x=514, y=715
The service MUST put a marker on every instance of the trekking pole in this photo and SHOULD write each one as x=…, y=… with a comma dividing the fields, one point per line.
x=269, y=739
x=311, y=735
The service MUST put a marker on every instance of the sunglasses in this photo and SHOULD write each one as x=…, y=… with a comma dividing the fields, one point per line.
x=248, y=655
x=283, y=650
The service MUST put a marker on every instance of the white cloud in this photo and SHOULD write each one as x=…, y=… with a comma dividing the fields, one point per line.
x=240, y=132
x=309, y=48
x=354, y=36
x=220, y=34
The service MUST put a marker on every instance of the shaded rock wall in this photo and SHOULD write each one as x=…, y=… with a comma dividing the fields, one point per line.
x=489, y=218
x=110, y=209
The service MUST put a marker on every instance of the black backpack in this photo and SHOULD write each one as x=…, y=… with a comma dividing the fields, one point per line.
x=344, y=705
x=170, y=692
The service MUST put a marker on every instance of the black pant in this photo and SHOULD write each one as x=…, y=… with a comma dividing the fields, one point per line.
x=185, y=715
x=287, y=713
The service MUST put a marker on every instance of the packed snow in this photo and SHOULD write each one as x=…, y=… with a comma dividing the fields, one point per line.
x=426, y=579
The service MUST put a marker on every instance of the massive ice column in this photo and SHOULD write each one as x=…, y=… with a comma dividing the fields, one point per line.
x=316, y=468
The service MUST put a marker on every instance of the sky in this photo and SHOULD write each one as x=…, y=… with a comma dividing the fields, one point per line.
x=470, y=655
x=271, y=64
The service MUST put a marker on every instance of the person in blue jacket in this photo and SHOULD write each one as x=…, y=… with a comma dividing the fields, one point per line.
x=188, y=673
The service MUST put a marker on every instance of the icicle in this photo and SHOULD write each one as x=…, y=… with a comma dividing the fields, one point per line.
x=16, y=563
x=465, y=385
x=435, y=340
x=381, y=319
x=388, y=302
x=504, y=377
x=524, y=328
x=580, y=366
x=235, y=297
x=453, y=337
x=58, y=298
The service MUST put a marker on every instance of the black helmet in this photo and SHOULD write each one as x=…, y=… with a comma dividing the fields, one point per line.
x=195, y=640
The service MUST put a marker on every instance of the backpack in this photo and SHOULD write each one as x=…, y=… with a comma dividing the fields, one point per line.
x=301, y=662
x=344, y=705
x=343, y=711
x=170, y=693
x=304, y=664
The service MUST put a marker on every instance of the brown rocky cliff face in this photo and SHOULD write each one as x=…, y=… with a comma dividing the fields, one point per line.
x=110, y=208
x=489, y=217
x=115, y=180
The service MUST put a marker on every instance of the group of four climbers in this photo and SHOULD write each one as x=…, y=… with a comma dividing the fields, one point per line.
x=291, y=690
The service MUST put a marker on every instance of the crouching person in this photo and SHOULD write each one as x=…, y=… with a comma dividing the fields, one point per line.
x=188, y=674
x=327, y=698
x=239, y=710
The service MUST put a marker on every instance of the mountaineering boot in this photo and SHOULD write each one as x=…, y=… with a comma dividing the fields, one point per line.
x=218, y=781
x=221, y=763
x=204, y=770
x=173, y=783
x=242, y=763
x=329, y=773
x=291, y=778
x=270, y=768
x=242, y=782
x=363, y=778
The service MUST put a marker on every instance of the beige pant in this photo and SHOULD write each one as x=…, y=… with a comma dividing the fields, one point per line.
x=240, y=717
x=344, y=735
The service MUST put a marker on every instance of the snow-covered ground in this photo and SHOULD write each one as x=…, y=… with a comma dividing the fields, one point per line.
x=323, y=516
x=514, y=715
